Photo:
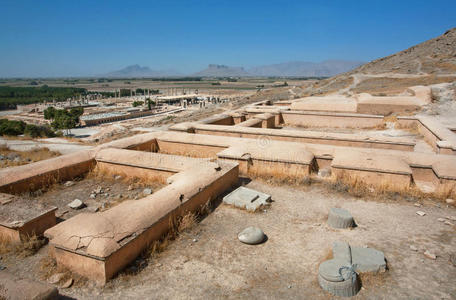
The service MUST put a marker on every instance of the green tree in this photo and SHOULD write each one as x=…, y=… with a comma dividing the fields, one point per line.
x=137, y=103
x=150, y=103
x=13, y=127
x=49, y=113
x=66, y=119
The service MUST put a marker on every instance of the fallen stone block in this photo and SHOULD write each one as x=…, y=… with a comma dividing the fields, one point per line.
x=368, y=260
x=342, y=251
x=248, y=199
x=340, y=218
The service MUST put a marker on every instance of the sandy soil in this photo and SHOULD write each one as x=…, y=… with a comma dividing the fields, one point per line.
x=112, y=192
x=209, y=262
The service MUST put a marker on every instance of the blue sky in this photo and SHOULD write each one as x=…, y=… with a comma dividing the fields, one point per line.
x=77, y=38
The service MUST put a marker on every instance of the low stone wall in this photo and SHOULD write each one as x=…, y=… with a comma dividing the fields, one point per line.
x=99, y=245
x=302, y=136
x=335, y=120
x=36, y=175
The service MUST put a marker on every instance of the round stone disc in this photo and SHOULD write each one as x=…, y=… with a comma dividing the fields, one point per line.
x=333, y=269
x=251, y=235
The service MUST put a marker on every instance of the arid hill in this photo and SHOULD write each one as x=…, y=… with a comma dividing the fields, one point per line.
x=430, y=62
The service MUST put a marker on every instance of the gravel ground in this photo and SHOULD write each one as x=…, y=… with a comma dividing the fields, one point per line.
x=209, y=262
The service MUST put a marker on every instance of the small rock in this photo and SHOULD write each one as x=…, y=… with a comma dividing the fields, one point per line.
x=316, y=224
x=130, y=187
x=289, y=286
x=2, y=268
x=106, y=195
x=54, y=279
x=147, y=191
x=17, y=159
x=417, y=204
x=67, y=283
x=107, y=189
x=118, y=177
x=452, y=218
x=12, y=156
x=420, y=213
x=441, y=219
x=448, y=223
x=413, y=248
x=69, y=183
x=120, y=196
x=76, y=204
x=450, y=201
x=158, y=265
x=60, y=213
x=2, y=157
x=93, y=196
x=94, y=209
x=429, y=254
x=251, y=235
x=98, y=190
x=195, y=240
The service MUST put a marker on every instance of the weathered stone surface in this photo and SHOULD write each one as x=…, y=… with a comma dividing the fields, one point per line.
x=147, y=191
x=251, y=235
x=76, y=204
x=342, y=251
x=14, y=288
x=368, y=260
x=421, y=213
x=340, y=218
x=338, y=278
x=248, y=199
x=334, y=270
x=324, y=172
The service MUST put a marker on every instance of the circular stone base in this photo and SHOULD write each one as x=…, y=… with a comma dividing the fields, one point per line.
x=346, y=288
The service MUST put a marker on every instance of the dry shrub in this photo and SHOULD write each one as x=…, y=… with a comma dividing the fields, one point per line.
x=29, y=246
x=48, y=267
x=34, y=155
x=104, y=175
x=178, y=225
x=356, y=187
x=277, y=181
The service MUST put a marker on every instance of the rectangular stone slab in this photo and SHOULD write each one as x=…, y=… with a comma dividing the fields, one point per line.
x=246, y=198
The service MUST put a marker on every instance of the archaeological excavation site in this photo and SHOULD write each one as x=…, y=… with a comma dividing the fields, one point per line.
x=333, y=182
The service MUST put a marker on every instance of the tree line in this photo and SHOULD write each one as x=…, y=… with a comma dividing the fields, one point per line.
x=10, y=97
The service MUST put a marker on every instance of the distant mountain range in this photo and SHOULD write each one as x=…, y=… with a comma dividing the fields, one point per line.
x=295, y=68
x=222, y=71
x=138, y=71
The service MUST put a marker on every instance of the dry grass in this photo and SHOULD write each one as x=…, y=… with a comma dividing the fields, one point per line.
x=29, y=246
x=178, y=225
x=103, y=175
x=283, y=180
x=48, y=267
x=27, y=157
x=345, y=183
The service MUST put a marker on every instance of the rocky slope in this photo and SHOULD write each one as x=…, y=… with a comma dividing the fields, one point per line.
x=430, y=62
